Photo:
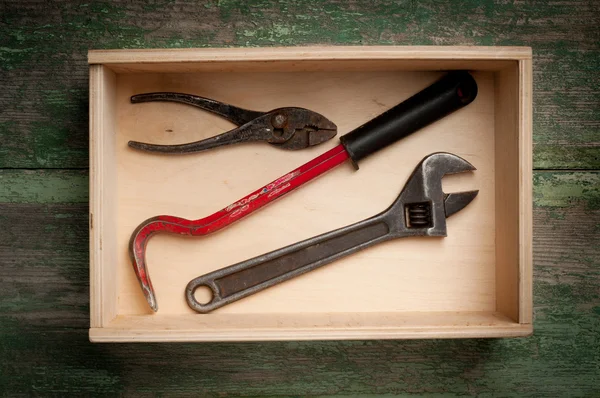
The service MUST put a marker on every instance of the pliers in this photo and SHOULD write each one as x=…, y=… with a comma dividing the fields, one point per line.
x=287, y=128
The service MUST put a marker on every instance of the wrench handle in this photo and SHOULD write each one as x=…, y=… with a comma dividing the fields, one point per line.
x=251, y=276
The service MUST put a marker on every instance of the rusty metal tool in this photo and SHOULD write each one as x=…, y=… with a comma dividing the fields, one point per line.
x=452, y=92
x=286, y=128
x=420, y=210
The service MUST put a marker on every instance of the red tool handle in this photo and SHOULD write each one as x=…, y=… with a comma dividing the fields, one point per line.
x=226, y=216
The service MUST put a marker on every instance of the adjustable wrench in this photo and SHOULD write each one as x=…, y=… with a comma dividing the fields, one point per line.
x=420, y=210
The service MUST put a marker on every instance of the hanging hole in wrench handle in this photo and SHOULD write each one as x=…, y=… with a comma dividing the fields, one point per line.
x=202, y=293
x=251, y=276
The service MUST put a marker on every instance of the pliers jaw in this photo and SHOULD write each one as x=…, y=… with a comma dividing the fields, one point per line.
x=298, y=128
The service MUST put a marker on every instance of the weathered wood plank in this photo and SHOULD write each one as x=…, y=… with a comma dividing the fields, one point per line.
x=44, y=320
x=43, y=186
x=43, y=214
x=43, y=45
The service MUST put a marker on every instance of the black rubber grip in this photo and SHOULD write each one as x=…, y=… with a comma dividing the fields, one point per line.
x=454, y=91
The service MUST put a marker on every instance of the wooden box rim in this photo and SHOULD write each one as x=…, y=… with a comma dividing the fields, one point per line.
x=133, y=61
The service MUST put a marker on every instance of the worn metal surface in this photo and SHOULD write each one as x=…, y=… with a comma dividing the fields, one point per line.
x=286, y=128
x=420, y=210
x=44, y=313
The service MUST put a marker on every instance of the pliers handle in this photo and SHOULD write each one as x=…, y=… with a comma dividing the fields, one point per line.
x=287, y=128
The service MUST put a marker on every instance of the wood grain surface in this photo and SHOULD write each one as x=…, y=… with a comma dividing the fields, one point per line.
x=44, y=289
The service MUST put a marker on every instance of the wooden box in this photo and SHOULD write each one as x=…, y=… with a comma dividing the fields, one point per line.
x=474, y=283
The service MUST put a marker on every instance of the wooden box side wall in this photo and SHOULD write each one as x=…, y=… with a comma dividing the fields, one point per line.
x=103, y=281
x=334, y=65
x=309, y=58
x=513, y=191
x=308, y=326
x=526, y=192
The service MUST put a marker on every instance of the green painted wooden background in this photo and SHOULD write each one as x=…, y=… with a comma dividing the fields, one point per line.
x=44, y=288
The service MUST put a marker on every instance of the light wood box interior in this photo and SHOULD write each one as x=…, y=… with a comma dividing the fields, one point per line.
x=474, y=283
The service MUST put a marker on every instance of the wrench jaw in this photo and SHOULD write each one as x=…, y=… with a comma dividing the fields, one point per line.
x=422, y=205
x=455, y=202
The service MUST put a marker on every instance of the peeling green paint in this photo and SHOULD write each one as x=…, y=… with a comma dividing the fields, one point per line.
x=556, y=156
x=562, y=189
x=49, y=186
